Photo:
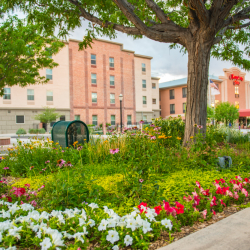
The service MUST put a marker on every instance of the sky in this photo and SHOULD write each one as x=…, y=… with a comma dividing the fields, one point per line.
x=168, y=64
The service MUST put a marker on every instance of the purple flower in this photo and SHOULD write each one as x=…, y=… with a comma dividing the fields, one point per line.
x=114, y=151
x=61, y=163
x=80, y=148
x=62, y=151
x=141, y=180
x=153, y=138
x=199, y=126
x=152, y=125
x=141, y=121
x=5, y=168
x=46, y=162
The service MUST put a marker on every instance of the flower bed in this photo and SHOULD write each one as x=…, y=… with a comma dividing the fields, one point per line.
x=23, y=226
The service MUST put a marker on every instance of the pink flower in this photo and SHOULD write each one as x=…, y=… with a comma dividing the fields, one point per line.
x=152, y=137
x=22, y=202
x=27, y=185
x=236, y=187
x=229, y=193
x=204, y=213
x=19, y=191
x=198, y=184
x=196, y=209
x=236, y=196
x=79, y=248
x=5, y=168
x=169, y=210
x=244, y=191
x=46, y=162
x=114, y=151
x=238, y=177
x=33, y=203
x=213, y=212
x=205, y=192
x=43, y=186
x=199, y=126
x=141, y=121
x=141, y=180
x=188, y=199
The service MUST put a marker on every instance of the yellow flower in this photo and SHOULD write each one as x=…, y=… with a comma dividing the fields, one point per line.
x=178, y=138
x=146, y=128
x=57, y=143
x=31, y=147
x=191, y=137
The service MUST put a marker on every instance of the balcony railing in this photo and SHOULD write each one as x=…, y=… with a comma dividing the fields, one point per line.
x=237, y=95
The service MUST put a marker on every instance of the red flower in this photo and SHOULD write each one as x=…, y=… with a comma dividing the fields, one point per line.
x=168, y=209
x=213, y=203
x=213, y=212
x=19, y=192
x=142, y=206
x=179, y=208
x=158, y=209
x=222, y=203
x=27, y=185
x=188, y=199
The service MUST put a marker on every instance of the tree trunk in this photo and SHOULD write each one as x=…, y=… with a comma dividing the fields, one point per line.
x=198, y=66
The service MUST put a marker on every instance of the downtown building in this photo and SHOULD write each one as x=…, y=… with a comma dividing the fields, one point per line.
x=231, y=87
x=86, y=86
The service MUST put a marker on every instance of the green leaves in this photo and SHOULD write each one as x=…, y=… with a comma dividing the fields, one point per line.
x=226, y=111
x=23, y=53
x=48, y=115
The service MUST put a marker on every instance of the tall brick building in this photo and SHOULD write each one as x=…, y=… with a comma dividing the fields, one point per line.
x=98, y=75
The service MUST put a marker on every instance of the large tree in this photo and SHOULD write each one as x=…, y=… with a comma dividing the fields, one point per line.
x=200, y=27
x=24, y=50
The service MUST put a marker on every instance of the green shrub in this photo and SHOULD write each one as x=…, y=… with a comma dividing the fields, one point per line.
x=21, y=131
x=41, y=131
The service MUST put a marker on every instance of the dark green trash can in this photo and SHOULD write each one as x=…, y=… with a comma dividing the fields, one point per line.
x=68, y=132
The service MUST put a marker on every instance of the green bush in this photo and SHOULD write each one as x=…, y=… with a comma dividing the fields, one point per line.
x=41, y=131
x=21, y=131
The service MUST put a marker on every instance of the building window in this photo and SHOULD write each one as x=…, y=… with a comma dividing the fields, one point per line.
x=49, y=74
x=30, y=95
x=94, y=120
x=236, y=91
x=153, y=85
x=112, y=119
x=93, y=78
x=62, y=118
x=111, y=62
x=112, y=98
x=171, y=93
x=153, y=101
x=94, y=97
x=184, y=107
x=184, y=92
x=172, y=108
x=93, y=59
x=143, y=67
x=144, y=84
x=20, y=119
x=112, y=80
x=7, y=94
x=49, y=96
x=129, y=119
x=144, y=118
x=77, y=117
x=144, y=100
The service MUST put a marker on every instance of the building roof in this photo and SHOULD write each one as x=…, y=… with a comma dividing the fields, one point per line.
x=181, y=82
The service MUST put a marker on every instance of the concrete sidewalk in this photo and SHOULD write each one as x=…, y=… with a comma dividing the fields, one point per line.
x=231, y=233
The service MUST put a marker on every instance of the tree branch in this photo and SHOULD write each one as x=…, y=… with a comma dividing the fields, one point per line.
x=239, y=27
x=158, y=11
x=240, y=6
x=214, y=10
x=200, y=9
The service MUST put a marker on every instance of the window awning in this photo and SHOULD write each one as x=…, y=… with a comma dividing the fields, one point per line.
x=244, y=112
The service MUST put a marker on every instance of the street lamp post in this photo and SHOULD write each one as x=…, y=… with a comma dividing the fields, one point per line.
x=120, y=98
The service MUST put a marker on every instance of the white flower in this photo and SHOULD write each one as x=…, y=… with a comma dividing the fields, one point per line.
x=103, y=225
x=93, y=205
x=46, y=244
x=61, y=218
x=167, y=223
x=78, y=236
x=112, y=236
x=81, y=222
x=122, y=222
x=83, y=214
x=39, y=234
x=115, y=247
x=91, y=223
x=1, y=237
x=150, y=216
x=5, y=214
x=146, y=227
x=14, y=232
x=27, y=207
x=131, y=223
x=11, y=248
x=111, y=222
x=128, y=240
x=57, y=239
x=14, y=208
x=44, y=215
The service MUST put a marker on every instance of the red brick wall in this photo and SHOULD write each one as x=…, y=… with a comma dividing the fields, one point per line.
x=81, y=88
